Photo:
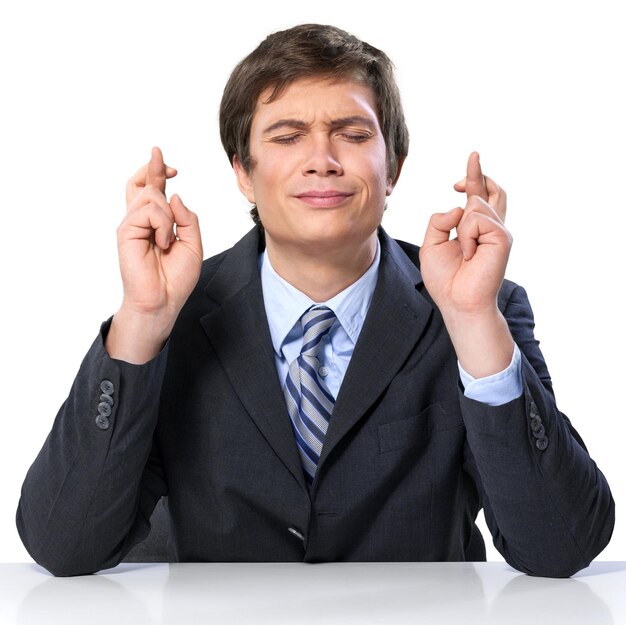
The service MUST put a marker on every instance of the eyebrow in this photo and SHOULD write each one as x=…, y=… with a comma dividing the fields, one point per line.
x=298, y=124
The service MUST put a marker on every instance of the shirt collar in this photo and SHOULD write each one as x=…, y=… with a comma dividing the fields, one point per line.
x=284, y=304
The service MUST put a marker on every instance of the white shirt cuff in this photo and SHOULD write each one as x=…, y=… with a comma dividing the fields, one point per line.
x=497, y=389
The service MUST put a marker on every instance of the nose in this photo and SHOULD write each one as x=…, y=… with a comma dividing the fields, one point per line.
x=321, y=158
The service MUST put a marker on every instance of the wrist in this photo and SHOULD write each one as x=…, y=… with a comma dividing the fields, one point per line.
x=477, y=319
x=482, y=341
x=137, y=337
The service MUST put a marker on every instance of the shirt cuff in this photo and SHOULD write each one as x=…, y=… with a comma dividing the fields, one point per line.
x=497, y=389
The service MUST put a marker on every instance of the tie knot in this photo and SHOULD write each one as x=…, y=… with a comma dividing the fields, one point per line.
x=316, y=324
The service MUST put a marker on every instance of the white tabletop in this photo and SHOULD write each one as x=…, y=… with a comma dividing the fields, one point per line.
x=342, y=593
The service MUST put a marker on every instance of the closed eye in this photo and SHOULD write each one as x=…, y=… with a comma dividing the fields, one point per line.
x=352, y=137
x=286, y=139
x=355, y=138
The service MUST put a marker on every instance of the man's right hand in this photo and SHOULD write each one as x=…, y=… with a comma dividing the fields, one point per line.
x=160, y=253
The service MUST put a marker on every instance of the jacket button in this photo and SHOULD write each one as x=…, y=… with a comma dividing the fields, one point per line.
x=539, y=432
x=106, y=398
x=102, y=422
x=296, y=533
x=106, y=386
x=104, y=409
x=542, y=443
x=535, y=423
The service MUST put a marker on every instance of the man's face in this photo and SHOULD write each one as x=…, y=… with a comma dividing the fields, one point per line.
x=318, y=166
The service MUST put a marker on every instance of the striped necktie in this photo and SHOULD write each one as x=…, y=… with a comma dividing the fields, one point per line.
x=309, y=403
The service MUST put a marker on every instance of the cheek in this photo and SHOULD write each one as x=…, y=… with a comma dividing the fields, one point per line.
x=377, y=180
x=269, y=177
x=375, y=168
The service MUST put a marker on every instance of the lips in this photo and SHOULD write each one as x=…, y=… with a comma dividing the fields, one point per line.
x=326, y=198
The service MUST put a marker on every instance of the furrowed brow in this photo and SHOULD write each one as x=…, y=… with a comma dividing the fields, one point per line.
x=342, y=122
x=296, y=124
x=353, y=120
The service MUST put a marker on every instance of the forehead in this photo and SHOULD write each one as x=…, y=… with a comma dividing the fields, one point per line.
x=313, y=100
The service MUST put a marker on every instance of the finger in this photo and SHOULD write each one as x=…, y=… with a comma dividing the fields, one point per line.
x=152, y=195
x=479, y=226
x=135, y=184
x=187, y=226
x=147, y=222
x=474, y=182
x=138, y=181
x=468, y=234
x=156, y=170
x=139, y=178
x=477, y=204
x=440, y=226
x=497, y=198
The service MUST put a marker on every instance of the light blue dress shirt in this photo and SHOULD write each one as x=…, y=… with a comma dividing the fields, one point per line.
x=284, y=305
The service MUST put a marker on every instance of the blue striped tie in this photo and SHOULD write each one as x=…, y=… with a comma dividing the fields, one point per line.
x=309, y=403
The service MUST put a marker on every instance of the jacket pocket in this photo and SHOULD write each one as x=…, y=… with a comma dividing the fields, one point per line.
x=416, y=430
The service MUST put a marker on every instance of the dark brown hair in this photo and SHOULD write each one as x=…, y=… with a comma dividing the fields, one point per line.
x=305, y=51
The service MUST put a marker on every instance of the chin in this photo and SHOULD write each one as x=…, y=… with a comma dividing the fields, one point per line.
x=334, y=239
x=321, y=232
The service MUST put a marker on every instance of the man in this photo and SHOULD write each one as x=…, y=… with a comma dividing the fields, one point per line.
x=319, y=391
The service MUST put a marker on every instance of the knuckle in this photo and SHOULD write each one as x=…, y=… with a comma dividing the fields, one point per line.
x=140, y=194
x=152, y=212
x=123, y=228
x=473, y=202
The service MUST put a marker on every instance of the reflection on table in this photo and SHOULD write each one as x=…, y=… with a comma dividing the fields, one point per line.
x=346, y=593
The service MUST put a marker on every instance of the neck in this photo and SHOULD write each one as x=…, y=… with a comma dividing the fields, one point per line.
x=322, y=275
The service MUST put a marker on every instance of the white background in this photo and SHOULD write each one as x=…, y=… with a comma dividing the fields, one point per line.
x=87, y=88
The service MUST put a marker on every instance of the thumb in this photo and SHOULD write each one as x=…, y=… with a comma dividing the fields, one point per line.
x=440, y=226
x=187, y=226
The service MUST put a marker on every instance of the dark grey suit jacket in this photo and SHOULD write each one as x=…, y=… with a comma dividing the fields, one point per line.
x=407, y=463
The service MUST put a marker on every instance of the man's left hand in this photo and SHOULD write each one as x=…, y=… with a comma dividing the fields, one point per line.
x=464, y=274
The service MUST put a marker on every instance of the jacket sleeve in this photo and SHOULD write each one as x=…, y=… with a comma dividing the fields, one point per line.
x=547, y=505
x=88, y=496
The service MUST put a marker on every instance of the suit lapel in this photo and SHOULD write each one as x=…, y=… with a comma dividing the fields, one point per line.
x=397, y=317
x=239, y=333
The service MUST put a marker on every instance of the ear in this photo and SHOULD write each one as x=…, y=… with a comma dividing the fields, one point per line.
x=243, y=180
x=391, y=182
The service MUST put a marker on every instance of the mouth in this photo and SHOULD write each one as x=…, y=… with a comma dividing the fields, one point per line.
x=328, y=198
